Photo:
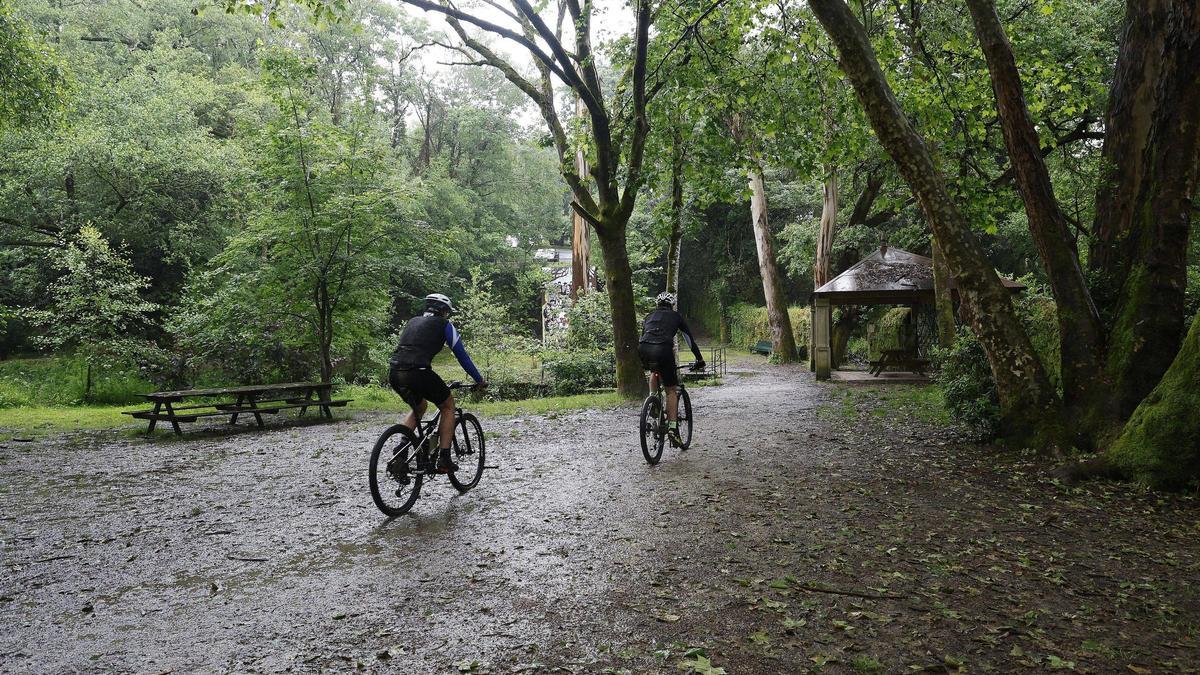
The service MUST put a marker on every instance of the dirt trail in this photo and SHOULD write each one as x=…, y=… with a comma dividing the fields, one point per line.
x=791, y=537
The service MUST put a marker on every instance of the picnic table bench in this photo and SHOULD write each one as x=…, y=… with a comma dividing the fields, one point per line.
x=246, y=399
x=761, y=347
x=900, y=359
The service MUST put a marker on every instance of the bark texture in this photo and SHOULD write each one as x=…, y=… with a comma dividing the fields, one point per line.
x=783, y=341
x=1148, y=314
x=631, y=379
x=823, y=265
x=1127, y=130
x=1028, y=402
x=1077, y=315
x=1160, y=445
x=943, y=303
x=675, y=241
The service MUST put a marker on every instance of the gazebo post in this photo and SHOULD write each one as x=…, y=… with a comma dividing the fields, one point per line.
x=822, y=329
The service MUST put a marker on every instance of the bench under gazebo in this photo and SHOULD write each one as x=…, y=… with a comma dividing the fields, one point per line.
x=889, y=276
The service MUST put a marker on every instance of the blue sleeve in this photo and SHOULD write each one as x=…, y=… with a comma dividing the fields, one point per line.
x=454, y=340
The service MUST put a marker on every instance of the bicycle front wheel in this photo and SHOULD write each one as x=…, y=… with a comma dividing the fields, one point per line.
x=652, y=429
x=684, y=415
x=468, y=453
x=395, y=481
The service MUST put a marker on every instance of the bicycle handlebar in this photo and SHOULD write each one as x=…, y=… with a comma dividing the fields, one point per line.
x=458, y=384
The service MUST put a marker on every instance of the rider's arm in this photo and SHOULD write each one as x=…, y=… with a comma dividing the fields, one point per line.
x=454, y=340
x=687, y=335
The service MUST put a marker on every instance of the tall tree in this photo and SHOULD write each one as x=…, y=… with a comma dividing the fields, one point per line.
x=615, y=134
x=1027, y=399
x=1110, y=373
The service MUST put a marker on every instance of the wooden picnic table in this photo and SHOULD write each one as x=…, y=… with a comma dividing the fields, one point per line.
x=901, y=359
x=246, y=399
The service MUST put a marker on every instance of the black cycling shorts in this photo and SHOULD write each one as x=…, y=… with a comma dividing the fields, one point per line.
x=419, y=385
x=660, y=358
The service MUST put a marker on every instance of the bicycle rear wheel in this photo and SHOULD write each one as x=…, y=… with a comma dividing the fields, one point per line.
x=468, y=453
x=653, y=429
x=395, y=481
x=684, y=415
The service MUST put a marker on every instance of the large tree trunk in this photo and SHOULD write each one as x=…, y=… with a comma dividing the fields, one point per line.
x=1148, y=315
x=1029, y=404
x=675, y=242
x=822, y=266
x=1077, y=315
x=783, y=341
x=1127, y=123
x=581, y=267
x=631, y=381
x=943, y=302
x=1160, y=445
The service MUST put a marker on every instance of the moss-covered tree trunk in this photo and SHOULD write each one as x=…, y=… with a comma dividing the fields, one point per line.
x=1029, y=404
x=631, y=380
x=943, y=303
x=1160, y=445
x=1149, y=311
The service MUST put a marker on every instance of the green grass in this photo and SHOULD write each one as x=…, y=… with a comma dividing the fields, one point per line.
x=57, y=381
x=372, y=398
x=37, y=421
x=924, y=403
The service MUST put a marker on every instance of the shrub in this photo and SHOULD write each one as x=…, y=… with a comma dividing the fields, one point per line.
x=589, y=323
x=889, y=332
x=748, y=324
x=965, y=376
x=573, y=372
x=966, y=382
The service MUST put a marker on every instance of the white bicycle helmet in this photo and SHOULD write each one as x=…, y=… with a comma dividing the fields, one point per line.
x=439, y=302
x=665, y=298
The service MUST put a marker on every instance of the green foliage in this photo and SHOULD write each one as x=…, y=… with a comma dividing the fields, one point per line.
x=96, y=305
x=892, y=331
x=32, y=78
x=965, y=378
x=573, y=372
x=60, y=381
x=748, y=324
x=589, y=323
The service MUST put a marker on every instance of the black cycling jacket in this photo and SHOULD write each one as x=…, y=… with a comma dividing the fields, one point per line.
x=660, y=327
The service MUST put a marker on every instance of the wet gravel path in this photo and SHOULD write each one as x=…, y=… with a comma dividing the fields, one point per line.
x=794, y=535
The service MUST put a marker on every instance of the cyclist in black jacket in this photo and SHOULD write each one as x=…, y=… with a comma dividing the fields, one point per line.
x=412, y=375
x=657, y=349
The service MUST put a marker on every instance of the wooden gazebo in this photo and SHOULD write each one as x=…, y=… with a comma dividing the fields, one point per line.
x=889, y=276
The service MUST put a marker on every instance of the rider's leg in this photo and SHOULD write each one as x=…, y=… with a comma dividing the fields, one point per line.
x=445, y=435
x=672, y=403
x=653, y=380
x=446, y=423
x=414, y=417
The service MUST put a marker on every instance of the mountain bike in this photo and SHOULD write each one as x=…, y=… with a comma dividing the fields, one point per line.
x=403, y=460
x=653, y=420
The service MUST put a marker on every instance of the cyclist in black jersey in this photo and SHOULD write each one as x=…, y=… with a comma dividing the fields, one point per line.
x=657, y=350
x=412, y=375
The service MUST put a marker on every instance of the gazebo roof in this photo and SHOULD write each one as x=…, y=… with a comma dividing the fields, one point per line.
x=887, y=276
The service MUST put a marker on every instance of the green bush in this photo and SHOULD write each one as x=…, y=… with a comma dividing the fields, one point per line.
x=965, y=378
x=889, y=332
x=573, y=372
x=748, y=324
x=60, y=381
x=589, y=323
